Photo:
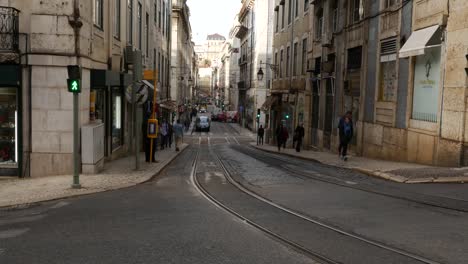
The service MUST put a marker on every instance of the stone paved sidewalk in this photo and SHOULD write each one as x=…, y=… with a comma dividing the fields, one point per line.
x=117, y=174
x=389, y=170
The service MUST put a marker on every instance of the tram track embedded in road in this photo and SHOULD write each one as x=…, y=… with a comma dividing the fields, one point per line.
x=338, y=233
x=423, y=199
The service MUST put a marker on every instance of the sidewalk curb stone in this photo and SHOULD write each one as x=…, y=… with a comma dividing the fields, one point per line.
x=377, y=173
x=84, y=191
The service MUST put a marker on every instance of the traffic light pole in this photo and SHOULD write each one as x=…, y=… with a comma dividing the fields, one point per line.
x=76, y=142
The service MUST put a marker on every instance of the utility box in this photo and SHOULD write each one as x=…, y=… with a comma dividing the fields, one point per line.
x=92, y=148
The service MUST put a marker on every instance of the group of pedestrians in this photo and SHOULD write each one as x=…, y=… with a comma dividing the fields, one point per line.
x=345, y=131
x=168, y=134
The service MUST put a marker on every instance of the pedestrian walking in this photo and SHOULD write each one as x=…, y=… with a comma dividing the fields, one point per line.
x=147, y=142
x=345, y=128
x=279, y=136
x=298, y=137
x=285, y=136
x=178, y=134
x=260, y=133
x=164, y=130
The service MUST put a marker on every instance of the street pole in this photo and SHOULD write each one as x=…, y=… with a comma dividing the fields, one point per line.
x=137, y=75
x=76, y=143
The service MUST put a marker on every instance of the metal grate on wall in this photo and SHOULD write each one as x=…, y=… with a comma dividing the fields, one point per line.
x=388, y=46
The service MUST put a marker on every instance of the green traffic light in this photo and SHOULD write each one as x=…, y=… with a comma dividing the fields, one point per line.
x=287, y=116
x=74, y=85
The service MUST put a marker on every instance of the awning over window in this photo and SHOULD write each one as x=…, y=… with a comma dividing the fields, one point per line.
x=269, y=102
x=420, y=40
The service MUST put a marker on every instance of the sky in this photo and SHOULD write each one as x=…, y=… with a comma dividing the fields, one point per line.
x=212, y=16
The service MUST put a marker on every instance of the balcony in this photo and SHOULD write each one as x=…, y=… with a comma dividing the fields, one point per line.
x=9, y=29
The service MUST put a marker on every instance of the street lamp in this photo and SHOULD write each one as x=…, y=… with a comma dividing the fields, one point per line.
x=260, y=74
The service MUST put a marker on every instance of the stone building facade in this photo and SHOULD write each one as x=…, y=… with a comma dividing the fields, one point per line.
x=291, y=44
x=255, y=34
x=94, y=35
x=182, y=55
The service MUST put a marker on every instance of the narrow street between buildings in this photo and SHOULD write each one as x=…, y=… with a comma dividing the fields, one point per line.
x=223, y=201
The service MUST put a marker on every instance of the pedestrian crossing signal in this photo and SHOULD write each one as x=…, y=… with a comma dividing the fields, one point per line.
x=74, y=85
x=287, y=116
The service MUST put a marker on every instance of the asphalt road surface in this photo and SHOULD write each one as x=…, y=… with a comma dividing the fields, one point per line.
x=198, y=210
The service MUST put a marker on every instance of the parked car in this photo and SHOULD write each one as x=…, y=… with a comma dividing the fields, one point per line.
x=232, y=116
x=221, y=117
x=203, y=123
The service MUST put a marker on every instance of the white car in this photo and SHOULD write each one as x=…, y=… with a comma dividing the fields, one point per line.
x=203, y=123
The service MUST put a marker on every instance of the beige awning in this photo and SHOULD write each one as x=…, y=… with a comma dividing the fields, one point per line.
x=269, y=102
x=420, y=40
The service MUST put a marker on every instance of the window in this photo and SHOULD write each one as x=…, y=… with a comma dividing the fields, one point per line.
x=282, y=16
x=304, y=56
x=357, y=10
x=289, y=11
x=319, y=24
x=156, y=11
x=281, y=64
x=147, y=34
x=117, y=19
x=335, y=17
x=276, y=65
x=8, y=126
x=390, y=3
x=98, y=14
x=154, y=60
x=288, y=54
x=159, y=65
x=139, y=25
x=295, y=59
x=159, y=17
x=388, y=73
x=164, y=19
x=306, y=5
x=130, y=21
x=296, y=9
x=277, y=19
x=426, y=86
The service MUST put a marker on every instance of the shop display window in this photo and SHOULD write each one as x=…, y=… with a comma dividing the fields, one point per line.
x=8, y=126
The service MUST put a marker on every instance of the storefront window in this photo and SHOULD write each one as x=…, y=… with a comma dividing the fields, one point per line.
x=116, y=119
x=8, y=126
x=426, y=86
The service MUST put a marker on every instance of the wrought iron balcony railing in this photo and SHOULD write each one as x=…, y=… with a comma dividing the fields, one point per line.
x=9, y=29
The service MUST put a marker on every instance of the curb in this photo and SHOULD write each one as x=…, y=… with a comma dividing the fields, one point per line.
x=37, y=203
x=377, y=174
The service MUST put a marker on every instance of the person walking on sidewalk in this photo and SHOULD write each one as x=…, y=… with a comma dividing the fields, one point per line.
x=298, y=137
x=178, y=134
x=260, y=133
x=345, y=128
x=164, y=130
x=279, y=136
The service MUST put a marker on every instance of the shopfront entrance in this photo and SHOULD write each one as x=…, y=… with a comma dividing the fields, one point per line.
x=10, y=121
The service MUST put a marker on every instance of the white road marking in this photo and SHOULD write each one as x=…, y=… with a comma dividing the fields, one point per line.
x=209, y=141
x=21, y=219
x=10, y=233
x=235, y=139
x=2, y=251
x=227, y=140
x=199, y=140
x=351, y=182
x=59, y=205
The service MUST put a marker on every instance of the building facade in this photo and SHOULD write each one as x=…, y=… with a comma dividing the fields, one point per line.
x=289, y=97
x=47, y=37
x=182, y=55
x=255, y=34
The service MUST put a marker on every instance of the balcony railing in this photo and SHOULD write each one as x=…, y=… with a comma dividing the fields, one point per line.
x=9, y=29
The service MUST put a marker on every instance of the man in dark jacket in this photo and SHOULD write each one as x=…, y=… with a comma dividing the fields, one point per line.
x=260, y=133
x=279, y=136
x=298, y=137
x=346, y=130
